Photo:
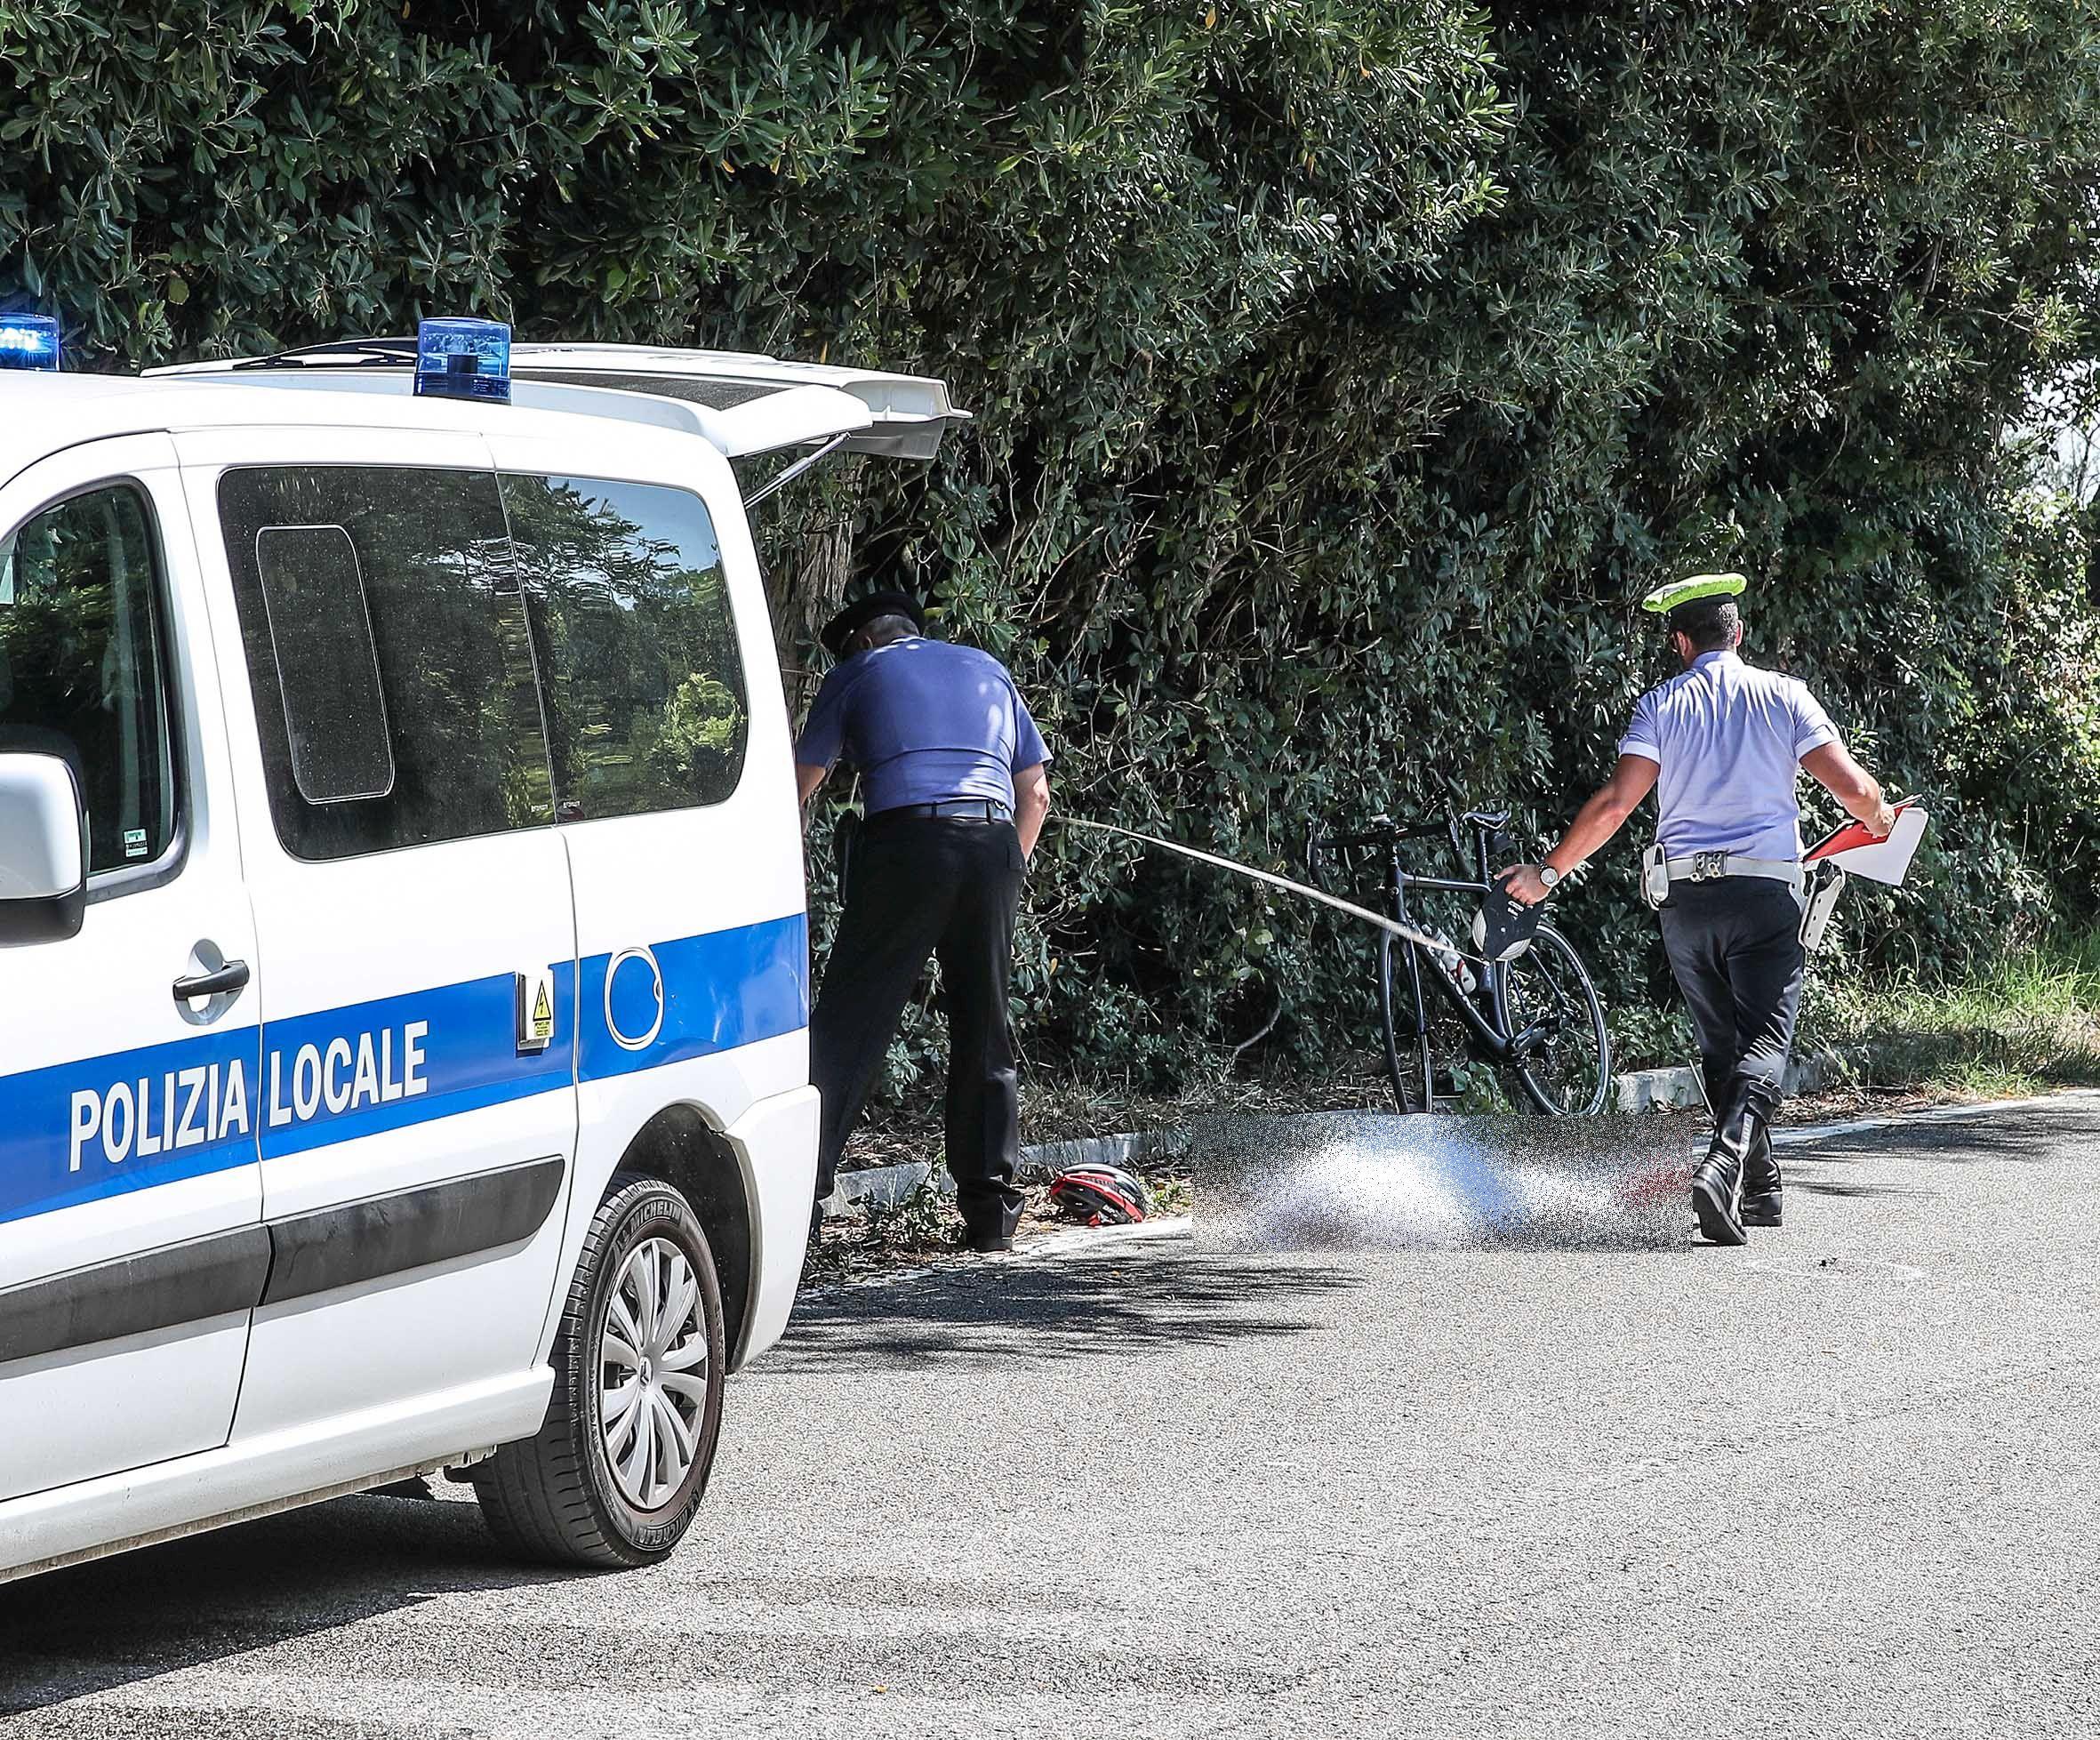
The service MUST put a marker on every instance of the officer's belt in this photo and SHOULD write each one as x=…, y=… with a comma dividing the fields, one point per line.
x=949, y=809
x=1711, y=866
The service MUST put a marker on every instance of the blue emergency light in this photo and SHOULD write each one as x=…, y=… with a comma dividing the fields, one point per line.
x=28, y=341
x=463, y=359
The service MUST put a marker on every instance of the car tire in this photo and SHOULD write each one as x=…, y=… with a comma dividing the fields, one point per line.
x=614, y=1475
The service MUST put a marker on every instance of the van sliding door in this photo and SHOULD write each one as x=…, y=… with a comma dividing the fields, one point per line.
x=418, y=1116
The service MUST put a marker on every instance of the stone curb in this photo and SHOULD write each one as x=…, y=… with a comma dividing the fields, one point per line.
x=886, y=1186
x=1678, y=1089
x=879, y=1187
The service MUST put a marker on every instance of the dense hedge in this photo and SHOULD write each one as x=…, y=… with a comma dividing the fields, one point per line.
x=1342, y=370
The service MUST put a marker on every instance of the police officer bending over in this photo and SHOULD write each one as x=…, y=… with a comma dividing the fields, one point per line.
x=955, y=794
x=1724, y=741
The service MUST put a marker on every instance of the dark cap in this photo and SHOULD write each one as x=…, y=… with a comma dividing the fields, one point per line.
x=864, y=610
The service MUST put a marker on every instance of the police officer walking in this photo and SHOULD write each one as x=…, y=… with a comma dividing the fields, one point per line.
x=1724, y=742
x=955, y=794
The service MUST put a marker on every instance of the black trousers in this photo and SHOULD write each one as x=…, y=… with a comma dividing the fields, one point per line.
x=924, y=885
x=1734, y=948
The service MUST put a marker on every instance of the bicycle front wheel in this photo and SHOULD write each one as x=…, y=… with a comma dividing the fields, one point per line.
x=1406, y=1054
x=1568, y=1072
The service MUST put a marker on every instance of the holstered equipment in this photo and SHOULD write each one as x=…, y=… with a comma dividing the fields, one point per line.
x=1654, y=877
x=1826, y=883
x=846, y=838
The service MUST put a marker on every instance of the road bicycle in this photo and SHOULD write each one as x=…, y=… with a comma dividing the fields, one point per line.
x=1538, y=1017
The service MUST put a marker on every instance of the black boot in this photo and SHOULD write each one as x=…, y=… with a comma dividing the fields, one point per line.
x=1714, y=1077
x=1716, y=1181
x=1760, y=1181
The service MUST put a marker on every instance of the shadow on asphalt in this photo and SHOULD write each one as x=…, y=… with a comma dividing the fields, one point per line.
x=96, y=1627
x=1826, y=1166
x=1061, y=1310
x=1858, y=1188
x=1956, y=1141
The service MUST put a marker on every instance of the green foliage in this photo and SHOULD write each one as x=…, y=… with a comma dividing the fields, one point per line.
x=1344, y=372
x=2022, y=1021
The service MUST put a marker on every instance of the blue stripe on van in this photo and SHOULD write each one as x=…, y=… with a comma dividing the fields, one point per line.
x=725, y=989
x=37, y=1172
x=366, y=1068
x=313, y=1080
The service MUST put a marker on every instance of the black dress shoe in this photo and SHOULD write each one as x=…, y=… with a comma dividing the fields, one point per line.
x=985, y=1244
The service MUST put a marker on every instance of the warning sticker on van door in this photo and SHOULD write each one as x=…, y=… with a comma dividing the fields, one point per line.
x=536, y=1009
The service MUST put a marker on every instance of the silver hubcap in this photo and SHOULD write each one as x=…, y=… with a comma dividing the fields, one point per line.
x=652, y=1374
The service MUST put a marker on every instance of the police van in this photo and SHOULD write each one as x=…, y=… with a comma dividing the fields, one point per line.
x=403, y=966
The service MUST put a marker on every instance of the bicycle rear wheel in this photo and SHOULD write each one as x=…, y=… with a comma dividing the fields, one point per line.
x=1568, y=1073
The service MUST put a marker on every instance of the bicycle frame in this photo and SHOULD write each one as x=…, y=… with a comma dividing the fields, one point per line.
x=1489, y=1031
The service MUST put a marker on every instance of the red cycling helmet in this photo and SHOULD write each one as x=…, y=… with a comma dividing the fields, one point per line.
x=1101, y=1195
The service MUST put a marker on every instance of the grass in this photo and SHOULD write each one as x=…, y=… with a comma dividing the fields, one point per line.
x=2020, y=1024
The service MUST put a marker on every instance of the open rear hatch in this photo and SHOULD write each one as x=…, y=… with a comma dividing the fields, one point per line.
x=760, y=399
x=743, y=402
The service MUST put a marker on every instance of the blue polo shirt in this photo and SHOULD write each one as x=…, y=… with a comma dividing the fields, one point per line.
x=1729, y=738
x=924, y=722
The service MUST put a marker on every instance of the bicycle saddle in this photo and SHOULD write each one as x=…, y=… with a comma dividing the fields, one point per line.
x=1488, y=818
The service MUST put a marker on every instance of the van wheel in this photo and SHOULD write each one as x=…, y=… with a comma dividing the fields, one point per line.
x=615, y=1474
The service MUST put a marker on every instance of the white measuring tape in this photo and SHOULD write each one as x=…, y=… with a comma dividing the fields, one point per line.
x=1435, y=945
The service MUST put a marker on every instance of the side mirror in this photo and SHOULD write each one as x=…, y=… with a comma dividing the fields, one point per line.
x=43, y=851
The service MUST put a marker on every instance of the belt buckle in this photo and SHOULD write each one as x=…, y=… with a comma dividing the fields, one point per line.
x=1709, y=866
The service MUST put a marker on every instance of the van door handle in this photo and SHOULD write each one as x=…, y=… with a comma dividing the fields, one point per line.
x=232, y=976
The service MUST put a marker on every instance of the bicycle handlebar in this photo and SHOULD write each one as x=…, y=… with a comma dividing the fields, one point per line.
x=1384, y=831
x=1389, y=833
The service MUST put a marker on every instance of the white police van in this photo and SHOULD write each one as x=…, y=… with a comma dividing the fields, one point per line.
x=404, y=967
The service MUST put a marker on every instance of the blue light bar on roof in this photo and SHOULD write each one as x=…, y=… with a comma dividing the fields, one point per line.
x=463, y=359
x=28, y=341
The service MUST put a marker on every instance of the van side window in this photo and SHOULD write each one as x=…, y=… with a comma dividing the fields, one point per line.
x=390, y=656
x=82, y=671
x=646, y=700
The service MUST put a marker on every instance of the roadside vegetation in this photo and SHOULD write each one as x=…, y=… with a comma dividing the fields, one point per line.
x=1342, y=374
x=2020, y=1024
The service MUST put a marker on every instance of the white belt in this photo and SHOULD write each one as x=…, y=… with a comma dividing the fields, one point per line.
x=1711, y=866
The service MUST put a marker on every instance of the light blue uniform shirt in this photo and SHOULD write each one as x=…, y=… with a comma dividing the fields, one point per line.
x=1729, y=739
x=925, y=722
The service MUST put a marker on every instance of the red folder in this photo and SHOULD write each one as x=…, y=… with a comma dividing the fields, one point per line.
x=1852, y=834
x=1860, y=852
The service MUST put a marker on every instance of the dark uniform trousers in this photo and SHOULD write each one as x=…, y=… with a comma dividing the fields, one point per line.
x=924, y=885
x=1734, y=948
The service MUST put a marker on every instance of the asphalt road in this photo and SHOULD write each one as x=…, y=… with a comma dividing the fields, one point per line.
x=1841, y=1483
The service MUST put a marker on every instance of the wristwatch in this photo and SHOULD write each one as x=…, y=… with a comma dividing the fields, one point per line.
x=1548, y=875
